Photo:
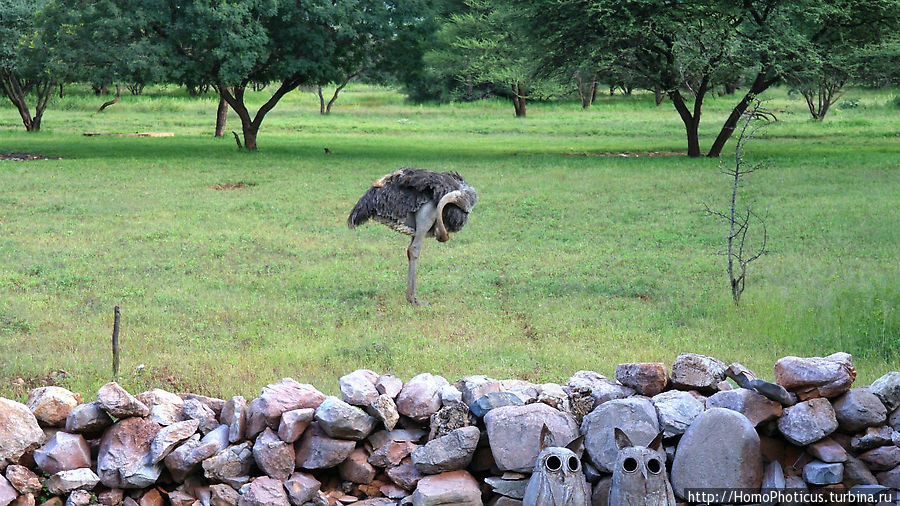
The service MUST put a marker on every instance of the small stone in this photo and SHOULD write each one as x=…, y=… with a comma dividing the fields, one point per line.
x=231, y=466
x=392, y=491
x=455, y=487
x=773, y=476
x=448, y=419
x=64, y=482
x=63, y=452
x=740, y=374
x=856, y=473
x=116, y=401
x=677, y=410
x=691, y=371
x=485, y=403
x=384, y=409
x=448, y=453
x=636, y=416
x=22, y=500
x=82, y=498
x=169, y=437
x=152, y=497
x=509, y=488
x=223, y=495
x=19, y=430
x=356, y=468
x=51, y=405
x=724, y=386
x=390, y=385
x=23, y=479
x=301, y=488
x=123, y=460
x=358, y=387
x=421, y=396
x=165, y=407
x=817, y=376
x=234, y=415
x=645, y=378
x=757, y=408
x=873, y=437
x=88, y=418
x=857, y=409
x=554, y=396
x=890, y=478
x=286, y=395
x=193, y=409
x=474, y=387
x=264, y=491
x=405, y=475
x=450, y=395
x=807, y=422
x=273, y=456
x=514, y=433
x=887, y=388
x=881, y=458
x=315, y=450
x=774, y=392
x=293, y=423
x=821, y=473
x=212, y=403
x=342, y=421
x=827, y=450
x=391, y=453
x=179, y=498
x=382, y=437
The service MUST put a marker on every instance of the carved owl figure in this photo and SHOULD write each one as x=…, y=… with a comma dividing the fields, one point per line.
x=639, y=478
x=558, y=479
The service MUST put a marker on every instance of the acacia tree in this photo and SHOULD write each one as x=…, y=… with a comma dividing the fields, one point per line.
x=24, y=60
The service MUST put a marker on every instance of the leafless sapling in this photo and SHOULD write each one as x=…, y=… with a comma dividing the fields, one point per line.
x=739, y=252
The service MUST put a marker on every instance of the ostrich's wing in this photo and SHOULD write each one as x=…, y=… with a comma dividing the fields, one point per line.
x=401, y=193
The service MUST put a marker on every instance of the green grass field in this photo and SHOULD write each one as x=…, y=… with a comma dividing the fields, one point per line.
x=568, y=262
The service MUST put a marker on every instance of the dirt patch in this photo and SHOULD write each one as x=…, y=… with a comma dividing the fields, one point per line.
x=632, y=155
x=229, y=186
x=25, y=157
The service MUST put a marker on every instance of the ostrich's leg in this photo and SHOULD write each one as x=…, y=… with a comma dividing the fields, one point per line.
x=424, y=221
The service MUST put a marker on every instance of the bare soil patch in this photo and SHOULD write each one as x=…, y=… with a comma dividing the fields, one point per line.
x=25, y=157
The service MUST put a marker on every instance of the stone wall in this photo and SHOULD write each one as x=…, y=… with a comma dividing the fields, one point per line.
x=429, y=442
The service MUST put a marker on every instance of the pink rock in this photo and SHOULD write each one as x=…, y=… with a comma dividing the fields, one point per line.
x=293, y=423
x=646, y=378
x=23, y=479
x=63, y=452
x=264, y=491
x=757, y=408
x=356, y=468
x=51, y=405
x=19, y=430
x=816, y=376
x=165, y=407
x=315, y=450
x=421, y=396
x=301, y=488
x=287, y=395
x=405, y=475
x=119, y=403
x=273, y=456
x=123, y=460
x=454, y=487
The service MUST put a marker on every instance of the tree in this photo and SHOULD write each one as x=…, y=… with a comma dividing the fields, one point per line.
x=24, y=59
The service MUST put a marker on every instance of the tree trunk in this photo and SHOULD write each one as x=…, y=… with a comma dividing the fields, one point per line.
x=760, y=84
x=321, y=100
x=62, y=91
x=658, y=95
x=250, y=132
x=114, y=100
x=221, y=116
x=691, y=119
x=250, y=127
x=519, y=99
x=15, y=92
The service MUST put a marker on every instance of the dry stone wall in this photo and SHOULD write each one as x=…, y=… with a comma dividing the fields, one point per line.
x=428, y=441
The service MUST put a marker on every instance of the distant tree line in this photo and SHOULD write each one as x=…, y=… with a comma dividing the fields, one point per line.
x=523, y=50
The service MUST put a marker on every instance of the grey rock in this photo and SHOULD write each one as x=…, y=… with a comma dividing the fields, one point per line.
x=405, y=474
x=64, y=482
x=827, y=450
x=223, y=495
x=343, y=421
x=51, y=405
x=492, y=400
x=116, y=401
x=816, y=376
x=194, y=409
x=356, y=468
x=890, y=478
x=293, y=423
x=384, y=409
x=740, y=375
x=509, y=488
x=19, y=430
x=856, y=473
x=873, y=437
x=23, y=479
x=210, y=402
x=450, y=395
x=179, y=461
x=63, y=452
x=273, y=456
x=264, y=491
x=554, y=396
x=123, y=460
x=636, y=416
x=474, y=387
x=389, y=385
x=165, y=407
x=894, y=419
x=358, y=387
x=448, y=419
x=677, y=410
x=649, y=378
x=821, y=473
x=448, y=453
x=887, y=388
x=455, y=487
x=514, y=433
x=605, y=389
x=88, y=418
x=528, y=392
x=169, y=437
x=691, y=371
x=234, y=415
x=231, y=466
x=807, y=422
x=8, y=494
x=391, y=453
x=421, y=396
x=881, y=458
x=315, y=450
x=286, y=395
x=301, y=488
x=773, y=477
x=79, y=498
x=756, y=407
x=857, y=409
x=774, y=392
x=701, y=462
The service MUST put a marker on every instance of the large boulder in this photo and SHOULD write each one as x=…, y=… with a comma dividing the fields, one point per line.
x=169, y=437
x=231, y=466
x=286, y=395
x=358, y=387
x=756, y=407
x=88, y=418
x=51, y=405
x=857, y=409
x=677, y=410
x=315, y=450
x=645, y=378
x=816, y=376
x=721, y=449
x=887, y=388
x=116, y=401
x=421, y=396
x=448, y=453
x=636, y=416
x=514, y=433
x=691, y=371
x=342, y=421
x=165, y=407
x=273, y=456
x=808, y=421
x=63, y=452
x=19, y=430
x=455, y=487
x=123, y=460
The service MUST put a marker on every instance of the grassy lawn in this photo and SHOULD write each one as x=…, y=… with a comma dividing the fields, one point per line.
x=568, y=261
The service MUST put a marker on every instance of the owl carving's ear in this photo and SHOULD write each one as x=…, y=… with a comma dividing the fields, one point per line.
x=656, y=443
x=546, y=437
x=577, y=446
x=622, y=440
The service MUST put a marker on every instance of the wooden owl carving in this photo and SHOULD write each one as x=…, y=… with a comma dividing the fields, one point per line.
x=639, y=478
x=558, y=479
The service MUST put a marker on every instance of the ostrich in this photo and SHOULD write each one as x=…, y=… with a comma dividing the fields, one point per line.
x=420, y=203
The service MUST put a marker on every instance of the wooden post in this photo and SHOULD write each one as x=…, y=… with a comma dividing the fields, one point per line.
x=115, y=343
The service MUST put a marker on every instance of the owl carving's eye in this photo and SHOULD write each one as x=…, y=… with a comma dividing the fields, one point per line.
x=630, y=465
x=654, y=466
x=553, y=463
x=574, y=464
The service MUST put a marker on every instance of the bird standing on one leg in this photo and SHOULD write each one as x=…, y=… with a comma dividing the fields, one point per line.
x=420, y=203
